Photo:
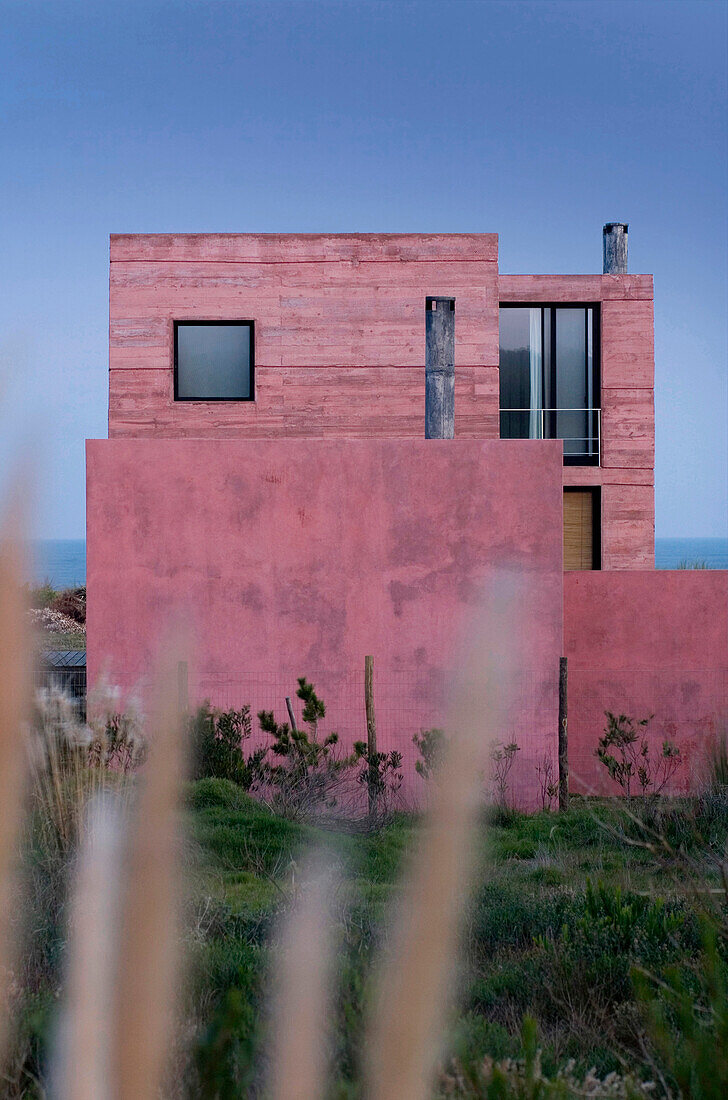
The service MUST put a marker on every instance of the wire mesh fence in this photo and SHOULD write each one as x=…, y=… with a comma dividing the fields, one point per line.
x=406, y=703
x=65, y=679
x=688, y=708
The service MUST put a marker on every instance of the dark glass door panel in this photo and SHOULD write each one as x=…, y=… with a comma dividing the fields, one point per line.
x=549, y=381
x=572, y=397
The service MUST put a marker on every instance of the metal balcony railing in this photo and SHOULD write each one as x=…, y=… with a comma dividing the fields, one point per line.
x=580, y=429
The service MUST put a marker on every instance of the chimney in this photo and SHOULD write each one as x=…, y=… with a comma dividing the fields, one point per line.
x=615, y=248
x=439, y=368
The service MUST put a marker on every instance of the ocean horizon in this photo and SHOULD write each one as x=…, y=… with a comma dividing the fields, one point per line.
x=62, y=562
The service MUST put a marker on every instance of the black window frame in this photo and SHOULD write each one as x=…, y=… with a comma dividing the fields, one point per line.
x=595, y=307
x=596, y=495
x=199, y=321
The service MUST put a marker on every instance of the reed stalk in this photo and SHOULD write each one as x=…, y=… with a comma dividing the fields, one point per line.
x=14, y=708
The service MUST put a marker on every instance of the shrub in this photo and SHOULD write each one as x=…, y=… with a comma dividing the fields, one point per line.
x=431, y=745
x=547, y=784
x=41, y=595
x=687, y=1018
x=502, y=759
x=523, y=1077
x=72, y=603
x=625, y=753
x=217, y=738
x=588, y=963
x=211, y=793
x=381, y=774
x=312, y=772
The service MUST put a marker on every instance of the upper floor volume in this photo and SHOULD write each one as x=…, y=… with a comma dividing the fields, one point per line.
x=325, y=335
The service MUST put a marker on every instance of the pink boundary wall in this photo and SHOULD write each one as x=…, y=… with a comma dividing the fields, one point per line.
x=644, y=643
x=299, y=556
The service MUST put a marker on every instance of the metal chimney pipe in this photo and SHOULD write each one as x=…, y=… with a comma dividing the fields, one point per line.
x=439, y=368
x=615, y=248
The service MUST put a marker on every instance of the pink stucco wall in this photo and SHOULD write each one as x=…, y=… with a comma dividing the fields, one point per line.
x=642, y=643
x=300, y=557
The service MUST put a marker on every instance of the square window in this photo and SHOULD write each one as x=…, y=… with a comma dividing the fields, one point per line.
x=213, y=361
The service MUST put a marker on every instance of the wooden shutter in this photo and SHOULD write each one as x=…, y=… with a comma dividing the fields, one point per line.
x=579, y=529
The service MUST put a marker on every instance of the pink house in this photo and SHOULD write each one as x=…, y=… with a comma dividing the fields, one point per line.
x=268, y=469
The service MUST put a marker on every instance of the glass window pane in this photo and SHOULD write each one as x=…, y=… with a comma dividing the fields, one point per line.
x=213, y=362
x=515, y=372
x=571, y=381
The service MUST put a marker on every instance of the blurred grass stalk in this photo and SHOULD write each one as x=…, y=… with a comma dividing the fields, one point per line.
x=14, y=711
x=415, y=978
x=118, y=1019
x=302, y=990
x=413, y=982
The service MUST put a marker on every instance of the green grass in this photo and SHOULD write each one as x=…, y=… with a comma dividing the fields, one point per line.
x=540, y=937
x=71, y=640
x=565, y=910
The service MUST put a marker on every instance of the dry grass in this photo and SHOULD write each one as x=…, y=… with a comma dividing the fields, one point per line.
x=14, y=700
x=83, y=1058
x=302, y=991
x=89, y=810
x=415, y=974
x=148, y=935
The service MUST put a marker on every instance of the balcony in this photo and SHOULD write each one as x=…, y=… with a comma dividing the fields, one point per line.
x=580, y=429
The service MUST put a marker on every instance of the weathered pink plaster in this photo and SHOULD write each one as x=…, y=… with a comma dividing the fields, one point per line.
x=299, y=557
x=643, y=643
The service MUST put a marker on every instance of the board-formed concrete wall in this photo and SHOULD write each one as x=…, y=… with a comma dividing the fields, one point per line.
x=646, y=643
x=339, y=330
x=625, y=474
x=340, y=347
x=300, y=557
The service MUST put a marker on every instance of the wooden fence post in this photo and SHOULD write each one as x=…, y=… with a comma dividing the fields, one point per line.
x=563, y=735
x=291, y=715
x=371, y=733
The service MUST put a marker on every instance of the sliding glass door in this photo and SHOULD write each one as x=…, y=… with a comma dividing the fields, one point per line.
x=549, y=386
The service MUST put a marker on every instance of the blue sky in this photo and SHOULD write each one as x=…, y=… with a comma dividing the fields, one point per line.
x=538, y=121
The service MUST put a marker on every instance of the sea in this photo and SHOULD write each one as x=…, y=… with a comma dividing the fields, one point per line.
x=62, y=562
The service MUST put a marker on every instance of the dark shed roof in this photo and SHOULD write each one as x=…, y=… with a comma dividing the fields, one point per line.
x=65, y=658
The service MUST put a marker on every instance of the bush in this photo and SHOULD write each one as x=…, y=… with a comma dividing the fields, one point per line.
x=588, y=963
x=523, y=1077
x=687, y=1016
x=41, y=595
x=625, y=753
x=72, y=603
x=217, y=738
x=210, y=793
x=381, y=775
x=312, y=772
x=502, y=759
x=431, y=745
x=504, y=915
